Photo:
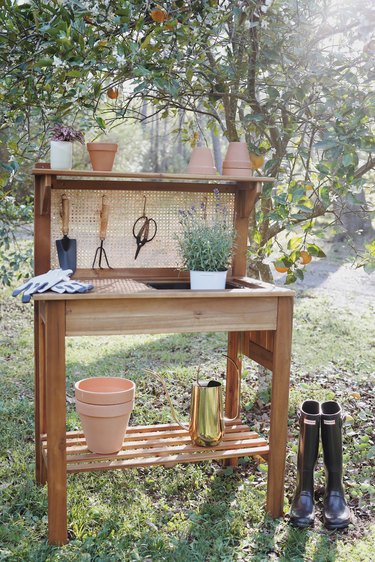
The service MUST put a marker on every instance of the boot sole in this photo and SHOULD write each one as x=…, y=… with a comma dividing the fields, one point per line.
x=301, y=525
x=333, y=527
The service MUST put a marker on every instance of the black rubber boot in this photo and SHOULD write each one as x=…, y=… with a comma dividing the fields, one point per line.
x=302, y=509
x=336, y=513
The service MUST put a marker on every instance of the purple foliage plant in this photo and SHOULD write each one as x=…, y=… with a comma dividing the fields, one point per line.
x=65, y=133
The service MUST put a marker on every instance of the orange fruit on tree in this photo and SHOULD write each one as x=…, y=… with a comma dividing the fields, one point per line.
x=305, y=257
x=281, y=269
x=170, y=26
x=257, y=160
x=112, y=93
x=159, y=14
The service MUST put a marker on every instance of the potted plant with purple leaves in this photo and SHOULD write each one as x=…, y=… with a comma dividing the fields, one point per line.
x=62, y=138
x=206, y=242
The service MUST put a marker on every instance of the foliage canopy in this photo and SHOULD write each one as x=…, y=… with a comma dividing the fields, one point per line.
x=293, y=78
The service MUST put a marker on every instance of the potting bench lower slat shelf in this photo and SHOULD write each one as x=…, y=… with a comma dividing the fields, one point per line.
x=161, y=444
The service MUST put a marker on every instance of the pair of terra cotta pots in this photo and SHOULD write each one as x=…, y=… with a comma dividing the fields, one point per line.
x=236, y=162
x=104, y=405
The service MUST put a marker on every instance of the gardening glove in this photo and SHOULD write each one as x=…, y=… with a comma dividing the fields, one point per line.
x=42, y=283
x=72, y=287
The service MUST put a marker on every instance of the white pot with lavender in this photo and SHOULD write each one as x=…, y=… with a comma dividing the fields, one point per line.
x=62, y=139
x=206, y=242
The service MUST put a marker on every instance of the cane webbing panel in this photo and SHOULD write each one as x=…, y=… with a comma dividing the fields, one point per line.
x=124, y=209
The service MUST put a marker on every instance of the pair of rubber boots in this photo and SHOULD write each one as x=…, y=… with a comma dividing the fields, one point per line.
x=327, y=417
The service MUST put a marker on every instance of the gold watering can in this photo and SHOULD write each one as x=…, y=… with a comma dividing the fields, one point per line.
x=207, y=420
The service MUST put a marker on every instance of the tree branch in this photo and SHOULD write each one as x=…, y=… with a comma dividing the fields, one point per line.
x=370, y=164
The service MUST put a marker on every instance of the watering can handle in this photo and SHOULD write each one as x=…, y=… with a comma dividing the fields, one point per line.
x=173, y=411
x=230, y=420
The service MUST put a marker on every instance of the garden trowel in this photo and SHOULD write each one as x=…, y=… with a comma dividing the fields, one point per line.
x=66, y=247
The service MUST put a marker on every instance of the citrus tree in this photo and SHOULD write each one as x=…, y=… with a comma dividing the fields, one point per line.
x=291, y=77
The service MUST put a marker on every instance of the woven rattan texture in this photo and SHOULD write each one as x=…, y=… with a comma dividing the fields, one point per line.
x=119, y=286
x=124, y=209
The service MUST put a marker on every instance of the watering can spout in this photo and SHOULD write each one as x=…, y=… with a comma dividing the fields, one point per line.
x=173, y=411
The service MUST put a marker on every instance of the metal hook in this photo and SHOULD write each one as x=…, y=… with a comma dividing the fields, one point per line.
x=144, y=206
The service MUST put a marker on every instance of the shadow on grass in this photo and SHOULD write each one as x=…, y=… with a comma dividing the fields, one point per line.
x=176, y=356
x=211, y=531
x=217, y=529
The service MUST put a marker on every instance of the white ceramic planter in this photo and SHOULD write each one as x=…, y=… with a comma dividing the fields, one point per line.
x=61, y=155
x=208, y=280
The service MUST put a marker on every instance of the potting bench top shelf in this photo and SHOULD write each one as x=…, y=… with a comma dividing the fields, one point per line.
x=43, y=169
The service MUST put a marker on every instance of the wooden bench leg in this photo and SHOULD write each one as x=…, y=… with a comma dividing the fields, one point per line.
x=56, y=422
x=233, y=389
x=279, y=407
x=39, y=394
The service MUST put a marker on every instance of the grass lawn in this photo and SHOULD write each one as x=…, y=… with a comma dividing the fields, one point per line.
x=198, y=512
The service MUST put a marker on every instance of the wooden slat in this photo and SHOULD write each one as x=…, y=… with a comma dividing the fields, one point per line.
x=136, y=185
x=170, y=460
x=164, y=444
x=151, y=430
x=263, y=339
x=150, y=443
x=259, y=354
x=153, y=439
x=162, y=451
x=270, y=339
x=170, y=313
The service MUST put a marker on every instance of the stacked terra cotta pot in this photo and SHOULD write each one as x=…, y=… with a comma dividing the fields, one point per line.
x=201, y=162
x=104, y=405
x=237, y=160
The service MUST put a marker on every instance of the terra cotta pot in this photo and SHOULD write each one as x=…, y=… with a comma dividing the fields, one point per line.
x=104, y=405
x=201, y=162
x=104, y=390
x=237, y=160
x=102, y=155
x=104, y=425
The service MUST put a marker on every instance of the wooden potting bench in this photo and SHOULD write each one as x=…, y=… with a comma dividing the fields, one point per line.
x=129, y=300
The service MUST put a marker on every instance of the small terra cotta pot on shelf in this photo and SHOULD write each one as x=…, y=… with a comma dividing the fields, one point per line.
x=102, y=155
x=237, y=160
x=208, y=280
x=104, y=405
x=201, y=162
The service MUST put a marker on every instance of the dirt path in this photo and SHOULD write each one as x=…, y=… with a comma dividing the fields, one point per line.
x=345, y=285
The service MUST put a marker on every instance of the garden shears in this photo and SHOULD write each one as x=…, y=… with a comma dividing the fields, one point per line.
x=141, y=230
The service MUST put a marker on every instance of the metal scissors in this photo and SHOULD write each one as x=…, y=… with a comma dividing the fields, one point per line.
x=142, y=235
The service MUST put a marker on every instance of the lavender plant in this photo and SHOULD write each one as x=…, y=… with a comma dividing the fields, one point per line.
x=205, y=242
x=61, y=132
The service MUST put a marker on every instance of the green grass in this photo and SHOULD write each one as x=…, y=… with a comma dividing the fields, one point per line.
x=198, y=512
